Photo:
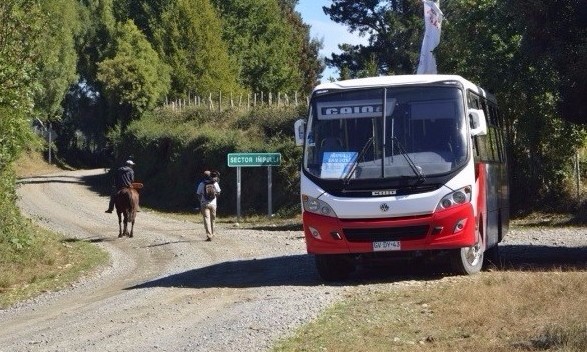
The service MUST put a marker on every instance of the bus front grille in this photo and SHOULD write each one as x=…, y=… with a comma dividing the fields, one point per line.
x=385, y=233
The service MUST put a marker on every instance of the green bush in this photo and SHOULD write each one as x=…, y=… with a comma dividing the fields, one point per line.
x=16, y=238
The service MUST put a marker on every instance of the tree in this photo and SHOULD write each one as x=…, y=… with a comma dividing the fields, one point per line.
x=308, y=49
x=540, y=143
x=57, y=69
x=20, y=32
x=394, y=29
x=97, y=35
x=188, y=38
x=556, y=31
x=133, y=76
x=262, y=45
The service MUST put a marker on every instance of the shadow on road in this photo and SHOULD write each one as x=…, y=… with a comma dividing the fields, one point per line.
x=542, y=258
x=299, y=270
x=49, y=179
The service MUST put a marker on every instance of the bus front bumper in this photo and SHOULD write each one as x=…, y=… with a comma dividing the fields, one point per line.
x=447, y=229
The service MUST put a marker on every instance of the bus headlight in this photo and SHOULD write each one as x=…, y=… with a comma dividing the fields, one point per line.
x=316, y=206
x=458, y=197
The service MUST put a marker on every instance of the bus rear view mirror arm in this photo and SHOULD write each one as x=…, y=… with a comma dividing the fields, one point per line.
x=477, y=122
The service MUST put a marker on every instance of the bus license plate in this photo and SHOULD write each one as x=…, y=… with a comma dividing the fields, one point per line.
x=386, y=246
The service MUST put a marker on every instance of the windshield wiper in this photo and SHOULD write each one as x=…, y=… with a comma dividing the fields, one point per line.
x=347, y=177
x=417, y=170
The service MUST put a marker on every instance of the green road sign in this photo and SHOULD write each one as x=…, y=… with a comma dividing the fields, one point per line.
x=253, y=159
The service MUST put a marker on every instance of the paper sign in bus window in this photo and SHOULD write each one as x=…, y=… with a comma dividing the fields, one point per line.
x=337, y=164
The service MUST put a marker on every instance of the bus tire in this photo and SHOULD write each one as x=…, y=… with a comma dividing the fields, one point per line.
x=468, y=260
x=334, y=267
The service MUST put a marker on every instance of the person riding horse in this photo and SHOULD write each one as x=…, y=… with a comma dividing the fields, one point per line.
x=123, y=178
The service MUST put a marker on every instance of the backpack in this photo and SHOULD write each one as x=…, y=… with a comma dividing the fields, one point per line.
x=209, y=190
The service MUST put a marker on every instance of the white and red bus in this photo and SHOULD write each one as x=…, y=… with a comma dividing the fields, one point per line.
x=402, y=165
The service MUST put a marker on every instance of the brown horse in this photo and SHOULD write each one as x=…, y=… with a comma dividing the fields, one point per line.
x=127, y=202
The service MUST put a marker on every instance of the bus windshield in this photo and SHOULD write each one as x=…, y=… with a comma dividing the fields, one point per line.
x=392, y=132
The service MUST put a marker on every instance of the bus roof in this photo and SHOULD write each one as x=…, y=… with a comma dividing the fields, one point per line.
x=401, y=80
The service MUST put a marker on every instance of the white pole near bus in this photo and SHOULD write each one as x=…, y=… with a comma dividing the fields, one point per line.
x=433, y=21
x=269, y=192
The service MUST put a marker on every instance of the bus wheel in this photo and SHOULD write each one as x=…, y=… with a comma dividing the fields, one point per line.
x=334, y=267
x=468, y=260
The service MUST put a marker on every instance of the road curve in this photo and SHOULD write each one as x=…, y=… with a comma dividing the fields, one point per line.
x=166, y=288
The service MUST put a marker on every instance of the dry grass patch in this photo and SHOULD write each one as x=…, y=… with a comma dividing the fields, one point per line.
x=250, y=221
x=51, y=262
x=32, y=163
x=497, y=311
x=34, y=260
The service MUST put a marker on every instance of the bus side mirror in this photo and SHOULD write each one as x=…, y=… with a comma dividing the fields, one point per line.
x=477, y=122
x=300, y=131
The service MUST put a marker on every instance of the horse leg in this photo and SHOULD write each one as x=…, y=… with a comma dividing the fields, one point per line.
x=125, y=232
x=119, y=225
x=132, y=226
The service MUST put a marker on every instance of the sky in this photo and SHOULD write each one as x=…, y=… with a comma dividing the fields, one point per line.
x=321, y=27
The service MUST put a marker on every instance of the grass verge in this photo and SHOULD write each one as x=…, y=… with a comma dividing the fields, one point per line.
x=50, y=262
x=492, y=311
x=32, y=259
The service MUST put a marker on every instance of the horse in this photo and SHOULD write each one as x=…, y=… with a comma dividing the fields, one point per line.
x=126, y=202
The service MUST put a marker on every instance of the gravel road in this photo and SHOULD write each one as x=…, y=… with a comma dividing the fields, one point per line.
x=167, y=289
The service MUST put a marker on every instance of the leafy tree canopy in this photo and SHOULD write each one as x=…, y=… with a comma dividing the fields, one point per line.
x=57, y=69
x=21, y=28
x=262, y=45
x=394, y=31
x=556, y=31
x=133, y=76
x=188, y=37
x=308, y=49
x=93, y=44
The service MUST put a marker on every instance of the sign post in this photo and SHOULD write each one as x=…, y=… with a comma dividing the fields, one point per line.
x=239, y=160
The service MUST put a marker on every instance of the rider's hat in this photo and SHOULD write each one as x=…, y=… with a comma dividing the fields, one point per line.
x=130, y=163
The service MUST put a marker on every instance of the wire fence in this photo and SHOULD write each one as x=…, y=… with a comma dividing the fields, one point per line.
x=219, y=102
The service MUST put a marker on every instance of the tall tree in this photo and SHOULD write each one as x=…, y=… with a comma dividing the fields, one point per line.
x=21, y=28
x=556, y=31
x=394, y=30
x=57, y=69
x=188, y=38
x=309, y=63
x=261, y=44
x=99, y=24
x=541, y=144
x=133, y=76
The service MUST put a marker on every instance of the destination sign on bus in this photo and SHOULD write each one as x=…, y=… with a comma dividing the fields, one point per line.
x=353, y=109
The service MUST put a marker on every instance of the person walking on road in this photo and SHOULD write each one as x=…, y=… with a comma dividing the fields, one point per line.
x=207, y=192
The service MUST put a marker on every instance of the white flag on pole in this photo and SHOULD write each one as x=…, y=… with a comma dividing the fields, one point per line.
x=433, y=20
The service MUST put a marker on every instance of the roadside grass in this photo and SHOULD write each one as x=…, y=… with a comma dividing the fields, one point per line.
x=34, y=260
x=256, y=222
x=49, y=263
x=492, y=311
x=32, y=163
